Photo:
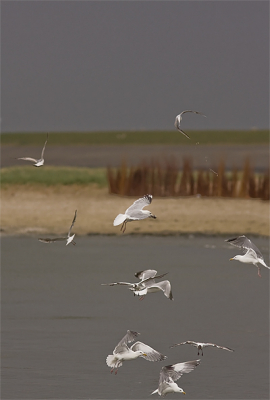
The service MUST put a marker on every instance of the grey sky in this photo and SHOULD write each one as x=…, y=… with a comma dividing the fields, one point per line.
x=110, y=65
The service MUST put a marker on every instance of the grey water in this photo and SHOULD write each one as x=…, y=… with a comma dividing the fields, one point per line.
x=59, y=324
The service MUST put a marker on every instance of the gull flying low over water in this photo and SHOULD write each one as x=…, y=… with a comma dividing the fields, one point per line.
x=201, y=345
x=123, y=353
x=170, y=374
x=135, y=212
x=252, y=253
x=147, y=284
x=144, y=276
x=178, y=120
x=37, y=163
x=69, y=238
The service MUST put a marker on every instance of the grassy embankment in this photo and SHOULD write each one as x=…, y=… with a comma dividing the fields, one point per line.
x=81, y=176
x=50, y=176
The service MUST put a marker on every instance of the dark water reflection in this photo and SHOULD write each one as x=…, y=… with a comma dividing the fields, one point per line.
x=59, y=323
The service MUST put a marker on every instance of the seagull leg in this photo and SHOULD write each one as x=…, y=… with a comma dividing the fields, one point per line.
x=259, y=271
x=122, y=226
x=142, y=297
x=112, y=370
x=74, y=244
x=125, y=222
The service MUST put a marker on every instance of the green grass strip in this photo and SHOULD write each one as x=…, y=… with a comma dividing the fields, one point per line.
x=140, y=137
x=53, y=176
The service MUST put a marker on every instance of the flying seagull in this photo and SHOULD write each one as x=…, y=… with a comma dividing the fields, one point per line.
x=69, y=238
x=144, y=276
x=201, y=345
x=37, y=163
x=252, y=253
x=146, y=284
x=123, y=353
x=178, y=120
x=135, y=212
x=170, y=374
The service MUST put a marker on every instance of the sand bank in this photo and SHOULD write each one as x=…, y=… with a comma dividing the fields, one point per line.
x=49, y=210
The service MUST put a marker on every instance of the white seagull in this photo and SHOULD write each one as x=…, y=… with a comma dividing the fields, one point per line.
x=178, y=120
x=201, y=345
x=170, y=374
x=69, y=238
x=37, y=163
x=146, y=284
x=123, y=353
x=135, y=212
x=144, y=276
x=252, y=253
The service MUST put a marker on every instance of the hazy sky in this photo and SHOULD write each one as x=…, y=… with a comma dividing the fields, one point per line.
x=127, y=65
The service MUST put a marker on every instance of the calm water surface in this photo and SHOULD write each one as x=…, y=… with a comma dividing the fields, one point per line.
x=59, y=324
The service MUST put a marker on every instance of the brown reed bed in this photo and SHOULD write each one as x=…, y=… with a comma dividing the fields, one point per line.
x=168, y=180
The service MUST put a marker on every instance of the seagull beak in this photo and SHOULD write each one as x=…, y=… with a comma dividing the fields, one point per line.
x=231, y=259
x=144, y=354
x=153, y=216
x=184, y=392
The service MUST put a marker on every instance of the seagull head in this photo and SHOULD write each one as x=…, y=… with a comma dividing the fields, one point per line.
x=141, y=353
x=235, y=258
x=181, y=390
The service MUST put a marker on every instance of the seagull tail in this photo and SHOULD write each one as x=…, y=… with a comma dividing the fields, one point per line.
x=113, y=362
x=110, y=361
x=155, y=391
x=119, y=219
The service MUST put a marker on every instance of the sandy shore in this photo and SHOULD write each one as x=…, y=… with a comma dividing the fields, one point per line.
x=49, y=210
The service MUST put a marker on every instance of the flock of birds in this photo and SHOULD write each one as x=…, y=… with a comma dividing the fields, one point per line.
x=168, y=374
x=147, y=284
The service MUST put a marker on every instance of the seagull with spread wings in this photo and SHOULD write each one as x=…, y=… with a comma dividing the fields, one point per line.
x=69, y=238
x=135, y=212
x=123, y=353
x=178, y=120
x=170, y=374
x=147, y=284
x=144, y=276
x=252, y=253
x=37, y=163
x=201, y=345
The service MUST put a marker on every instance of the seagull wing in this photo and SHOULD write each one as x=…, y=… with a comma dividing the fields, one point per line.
x=194, y=112
x=73, y=222
x=42, y=153
x=122, y=345
x=244, y=243
x=118, y=283
x=27, y=159
x=152, y=355
x=48, y=240
x=175, y=371
x=147, y=282
x=148, y=273
x=187, y=342
x=165, y=286
x=219, y=347
x=184, y=133
x=139, y=204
